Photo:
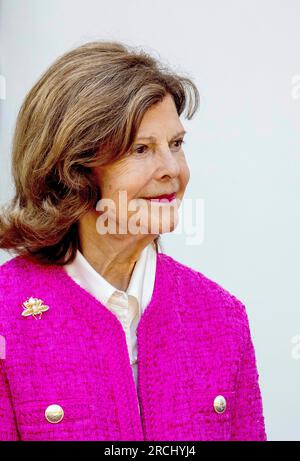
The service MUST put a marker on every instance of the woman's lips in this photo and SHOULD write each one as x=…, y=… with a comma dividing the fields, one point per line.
x=161, y=198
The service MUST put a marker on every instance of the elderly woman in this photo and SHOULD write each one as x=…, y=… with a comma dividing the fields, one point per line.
x=107, y=337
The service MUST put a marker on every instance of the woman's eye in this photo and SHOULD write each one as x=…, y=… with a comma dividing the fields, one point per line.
x=141, y=149
x=181, y=141
x=138, y=151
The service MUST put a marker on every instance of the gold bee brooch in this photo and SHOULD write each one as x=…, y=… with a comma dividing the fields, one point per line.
x=35, y=307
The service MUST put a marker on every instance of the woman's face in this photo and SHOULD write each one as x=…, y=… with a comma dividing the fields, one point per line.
x=153, y=167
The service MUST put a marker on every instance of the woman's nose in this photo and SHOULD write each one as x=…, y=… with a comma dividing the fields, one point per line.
x=169, y=165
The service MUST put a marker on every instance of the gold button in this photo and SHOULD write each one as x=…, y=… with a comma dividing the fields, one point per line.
x=220, y=404
x=54, y=413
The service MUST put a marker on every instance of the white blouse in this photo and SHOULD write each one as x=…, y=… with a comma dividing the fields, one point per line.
x=127, y=306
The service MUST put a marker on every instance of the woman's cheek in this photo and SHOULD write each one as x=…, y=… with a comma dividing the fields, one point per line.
x=185, y=174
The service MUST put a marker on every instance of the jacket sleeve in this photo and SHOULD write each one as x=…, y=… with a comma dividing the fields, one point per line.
x=248, y=420
x=8, y=430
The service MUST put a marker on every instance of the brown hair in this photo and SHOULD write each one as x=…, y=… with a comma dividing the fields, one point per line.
x=84, y=111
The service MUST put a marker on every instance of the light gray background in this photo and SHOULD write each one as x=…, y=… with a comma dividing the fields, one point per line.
x=243, y=146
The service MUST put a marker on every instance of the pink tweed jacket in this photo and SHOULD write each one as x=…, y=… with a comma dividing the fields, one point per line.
x=194, y=345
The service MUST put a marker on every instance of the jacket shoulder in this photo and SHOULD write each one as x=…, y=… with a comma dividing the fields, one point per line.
x=16, y=261
x=199, y=286
x=16, y=275
x=14, y=268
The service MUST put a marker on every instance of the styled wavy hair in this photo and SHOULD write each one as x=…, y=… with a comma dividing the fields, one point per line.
x=83, y=111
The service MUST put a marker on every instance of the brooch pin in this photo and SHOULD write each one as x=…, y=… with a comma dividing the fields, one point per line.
x=34, y=306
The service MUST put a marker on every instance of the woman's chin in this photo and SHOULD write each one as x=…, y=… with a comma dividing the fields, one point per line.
x=163, y=226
